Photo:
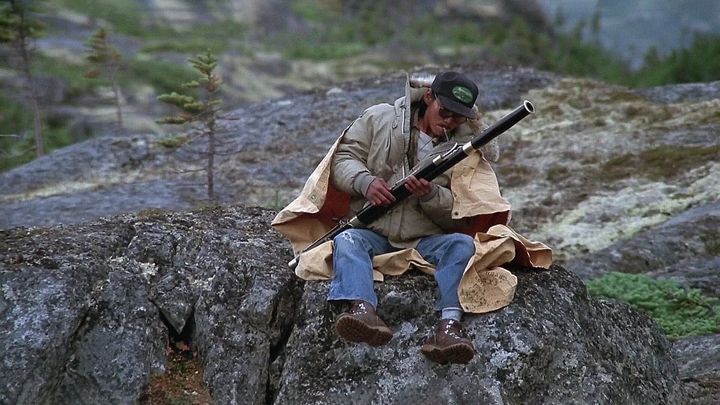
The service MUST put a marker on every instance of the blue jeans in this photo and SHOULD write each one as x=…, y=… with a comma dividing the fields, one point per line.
x=352, y=261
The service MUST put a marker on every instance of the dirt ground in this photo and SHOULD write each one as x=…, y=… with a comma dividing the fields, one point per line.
x=182, y=383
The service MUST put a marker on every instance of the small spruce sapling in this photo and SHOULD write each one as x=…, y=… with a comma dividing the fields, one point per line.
x=105, y=60
x=204, y=111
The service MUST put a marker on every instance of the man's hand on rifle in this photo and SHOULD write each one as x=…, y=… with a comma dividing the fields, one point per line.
x=378, y=193
x=418, y=187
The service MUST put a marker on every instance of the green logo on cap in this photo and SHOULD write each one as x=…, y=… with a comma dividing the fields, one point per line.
x=462, y=94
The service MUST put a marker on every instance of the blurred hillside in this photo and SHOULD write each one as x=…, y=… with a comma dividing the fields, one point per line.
x=631, y=29
x=271, y=49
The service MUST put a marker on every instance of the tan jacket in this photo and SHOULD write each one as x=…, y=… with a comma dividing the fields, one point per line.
x=467, y=200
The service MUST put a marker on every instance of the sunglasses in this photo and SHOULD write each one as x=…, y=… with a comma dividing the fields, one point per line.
x=445, y=113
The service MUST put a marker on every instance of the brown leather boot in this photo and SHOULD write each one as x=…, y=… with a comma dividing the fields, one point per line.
x=362, y=324
x=449, y=344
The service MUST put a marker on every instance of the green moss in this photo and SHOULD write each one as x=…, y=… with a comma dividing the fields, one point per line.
x=557, y=173
x=712, y=118
x=515, y=175
x=678, y=311
x=209, y=207
x=659, y=163
x=152, y=214
x=711, y=240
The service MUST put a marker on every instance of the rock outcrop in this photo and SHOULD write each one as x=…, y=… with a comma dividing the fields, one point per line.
x=698, y=358
x=685, y=249
x=86, y=310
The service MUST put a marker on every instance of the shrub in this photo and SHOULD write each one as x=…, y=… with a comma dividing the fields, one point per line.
x=680, y=312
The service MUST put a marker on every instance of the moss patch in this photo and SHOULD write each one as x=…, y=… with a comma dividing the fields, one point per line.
x=659, y=163
x=711, y=241
x=678, y=311
x=558, y=173
x=515, y=175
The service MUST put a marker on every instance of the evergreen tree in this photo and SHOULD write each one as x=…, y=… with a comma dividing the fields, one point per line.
x=106, y=63
x=205, y=110
x=19, y=29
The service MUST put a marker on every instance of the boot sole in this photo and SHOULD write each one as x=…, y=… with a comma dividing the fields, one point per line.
x=357, y=331
x=455, y=354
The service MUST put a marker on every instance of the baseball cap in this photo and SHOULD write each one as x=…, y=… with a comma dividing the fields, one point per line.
x=456, y=93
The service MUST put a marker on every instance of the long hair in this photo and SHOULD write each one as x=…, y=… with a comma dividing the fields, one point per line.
x=420, y=106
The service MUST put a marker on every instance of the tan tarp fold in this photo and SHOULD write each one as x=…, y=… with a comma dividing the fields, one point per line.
x=485, y=286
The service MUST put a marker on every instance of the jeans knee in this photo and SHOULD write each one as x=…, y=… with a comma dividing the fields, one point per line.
x=462, y=245
x=346, y=238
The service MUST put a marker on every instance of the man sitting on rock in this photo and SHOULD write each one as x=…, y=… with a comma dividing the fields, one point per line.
x=431, y=230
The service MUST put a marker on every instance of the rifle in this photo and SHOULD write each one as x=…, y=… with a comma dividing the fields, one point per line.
x=427, y=171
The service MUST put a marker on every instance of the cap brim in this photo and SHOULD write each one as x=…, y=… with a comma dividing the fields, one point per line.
x=456, y=107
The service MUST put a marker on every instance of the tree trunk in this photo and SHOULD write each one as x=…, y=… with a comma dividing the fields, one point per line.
x=22, y=48
x=37, y=124
x=118, y=106
x=211, y=160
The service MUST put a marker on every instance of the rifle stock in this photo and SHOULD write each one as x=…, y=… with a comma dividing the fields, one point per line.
x=428, y=172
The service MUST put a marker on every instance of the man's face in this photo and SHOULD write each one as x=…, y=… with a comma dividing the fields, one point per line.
x=440, y=120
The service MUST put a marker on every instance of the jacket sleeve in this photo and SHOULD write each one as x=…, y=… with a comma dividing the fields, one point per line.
x=349, y=172
x=438, y=204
